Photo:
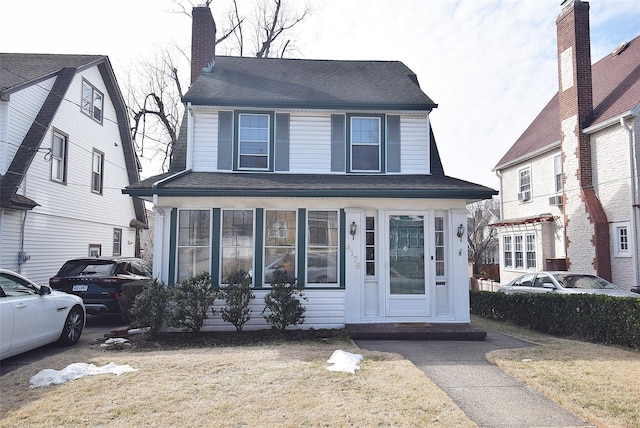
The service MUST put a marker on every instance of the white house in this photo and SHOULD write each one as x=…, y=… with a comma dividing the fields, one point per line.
x=569, y=184
x=327, y=169
x=65, y=155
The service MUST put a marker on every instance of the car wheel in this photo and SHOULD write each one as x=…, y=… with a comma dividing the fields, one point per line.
x=73, y=326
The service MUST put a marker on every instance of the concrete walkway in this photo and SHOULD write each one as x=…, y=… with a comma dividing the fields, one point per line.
x=486, y=394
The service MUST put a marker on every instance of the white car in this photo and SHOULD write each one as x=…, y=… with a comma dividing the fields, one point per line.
x=32, y=315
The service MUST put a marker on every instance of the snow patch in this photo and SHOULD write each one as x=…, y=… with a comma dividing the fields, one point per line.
x=344, y=362
x=115, y=341
x=74, y=371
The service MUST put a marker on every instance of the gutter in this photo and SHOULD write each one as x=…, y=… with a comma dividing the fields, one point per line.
x=331, y=193
x=610, y=122
x=634, y=202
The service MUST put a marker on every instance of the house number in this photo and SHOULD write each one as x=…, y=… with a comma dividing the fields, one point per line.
x=355, y=258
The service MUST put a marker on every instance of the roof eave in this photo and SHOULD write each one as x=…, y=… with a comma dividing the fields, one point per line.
x=318, y=105
x=612, y=121
x=528, y=156
x=332, y=193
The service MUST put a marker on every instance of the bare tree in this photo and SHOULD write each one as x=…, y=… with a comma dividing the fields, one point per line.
x=482, y=236
x=155, y=86
x=153, y=100
x=274, y=18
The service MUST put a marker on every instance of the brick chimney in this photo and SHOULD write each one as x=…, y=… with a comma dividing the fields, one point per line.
x=586, y=225
x=203, y=40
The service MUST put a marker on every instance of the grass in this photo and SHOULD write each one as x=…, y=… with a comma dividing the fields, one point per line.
x=599, y=383
x=281, y=384
x=264, y=383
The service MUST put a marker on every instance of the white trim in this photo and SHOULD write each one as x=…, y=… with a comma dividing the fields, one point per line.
x=613, y=121
x=528, y=156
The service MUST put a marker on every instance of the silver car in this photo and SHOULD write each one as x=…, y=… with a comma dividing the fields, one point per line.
x=564, y=283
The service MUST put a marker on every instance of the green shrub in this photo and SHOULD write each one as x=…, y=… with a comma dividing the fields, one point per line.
x=129, y=292
x=282, y=305
x=150, y=306
x=189, y=302
x=589, y=317
x=237, y=295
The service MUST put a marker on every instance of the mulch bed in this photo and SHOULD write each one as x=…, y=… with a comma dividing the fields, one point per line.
x=181, y=340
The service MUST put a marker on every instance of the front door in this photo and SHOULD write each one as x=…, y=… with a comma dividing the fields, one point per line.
x=406, y=271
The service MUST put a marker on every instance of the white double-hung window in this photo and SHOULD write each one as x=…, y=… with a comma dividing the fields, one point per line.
x=519, y=251
x=365, y=144
x=524, y=185
x=253, y=141
x=92, y=101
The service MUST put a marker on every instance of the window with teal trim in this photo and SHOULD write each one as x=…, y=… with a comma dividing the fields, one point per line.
x=322, y=247
x=237, y=243
x=365, y=144
x=253, y=141
x=279, y=243
x=194, y=242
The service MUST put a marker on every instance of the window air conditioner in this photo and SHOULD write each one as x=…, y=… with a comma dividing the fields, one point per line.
x=555, y=200
x=524, y=196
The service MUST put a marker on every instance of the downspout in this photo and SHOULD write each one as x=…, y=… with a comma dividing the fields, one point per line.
x=634, y=202
x=190, y=124
x=499, y=175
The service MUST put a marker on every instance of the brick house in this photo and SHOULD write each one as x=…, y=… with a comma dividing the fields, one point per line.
x=569, y=184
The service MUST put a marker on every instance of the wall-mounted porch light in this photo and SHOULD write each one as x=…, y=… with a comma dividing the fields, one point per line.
x=353, y=229
x=460, y=232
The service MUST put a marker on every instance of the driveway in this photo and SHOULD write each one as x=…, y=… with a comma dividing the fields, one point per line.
x=97, y=326
x=486, y=394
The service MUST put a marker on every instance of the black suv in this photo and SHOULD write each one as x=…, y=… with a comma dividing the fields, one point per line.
x=99, y=280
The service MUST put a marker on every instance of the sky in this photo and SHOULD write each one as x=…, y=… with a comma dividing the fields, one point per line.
x=490, y=65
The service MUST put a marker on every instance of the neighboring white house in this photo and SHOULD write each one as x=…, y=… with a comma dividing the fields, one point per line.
x=569, y=184
x=327, y=169
x=65, y=155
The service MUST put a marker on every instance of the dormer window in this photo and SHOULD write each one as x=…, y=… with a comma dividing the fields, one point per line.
x=92, y=101
x=253, y=141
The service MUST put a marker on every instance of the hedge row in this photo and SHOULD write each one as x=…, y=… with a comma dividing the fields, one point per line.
x=587, y=317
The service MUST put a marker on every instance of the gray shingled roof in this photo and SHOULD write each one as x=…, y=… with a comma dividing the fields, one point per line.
x=193, y=184
x=17, y=69
x=290, y=83
x=616, y=91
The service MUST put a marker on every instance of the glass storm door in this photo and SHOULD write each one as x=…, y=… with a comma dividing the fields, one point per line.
x=406, y=276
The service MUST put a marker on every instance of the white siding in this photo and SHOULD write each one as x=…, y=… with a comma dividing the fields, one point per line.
x=310, y=141
x=10, y=225
x=205, y=138
x=4, y=154
x=324, y=309
x=50, y=241
x=69, y=216
x=414, y=135
x=21, y=111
